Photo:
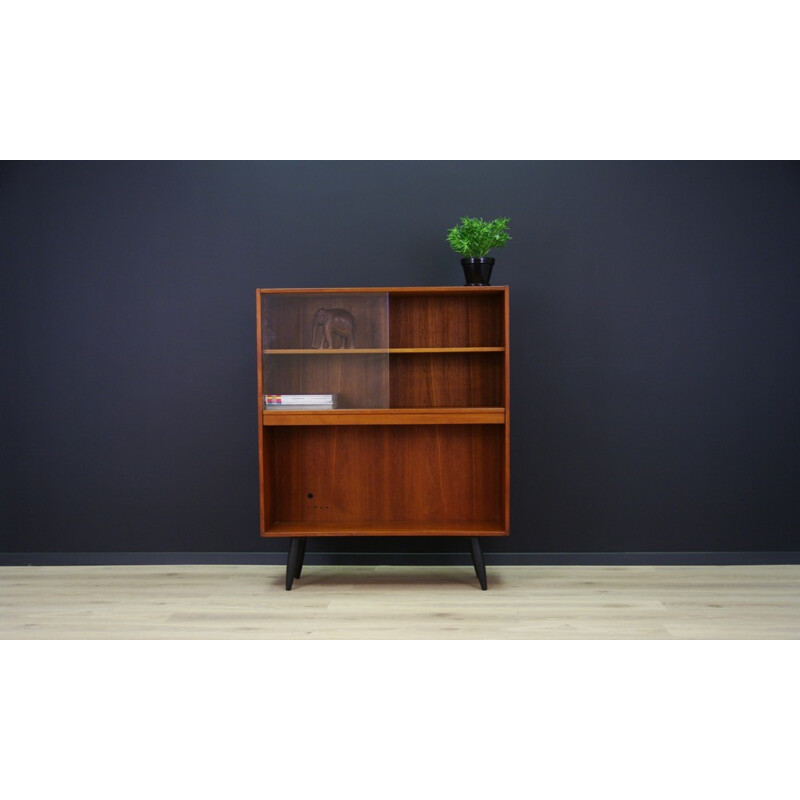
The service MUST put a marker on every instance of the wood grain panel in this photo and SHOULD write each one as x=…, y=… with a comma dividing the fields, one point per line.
x=267, y=475
x=437, y=474
x=458, y=320
x=507, y=393
x=446, y=379
x=390, y=528
x=388, y=416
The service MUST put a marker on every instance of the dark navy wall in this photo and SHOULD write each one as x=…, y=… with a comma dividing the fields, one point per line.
x=655, y=343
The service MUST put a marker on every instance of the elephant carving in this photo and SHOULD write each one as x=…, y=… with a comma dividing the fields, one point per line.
x=330, y=323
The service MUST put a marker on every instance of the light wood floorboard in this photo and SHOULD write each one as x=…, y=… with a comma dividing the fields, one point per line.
x=531, y=602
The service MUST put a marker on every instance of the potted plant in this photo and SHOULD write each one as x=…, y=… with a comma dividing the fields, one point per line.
x=473, y=238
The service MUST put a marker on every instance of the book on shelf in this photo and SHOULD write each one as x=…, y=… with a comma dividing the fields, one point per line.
x=298, y=402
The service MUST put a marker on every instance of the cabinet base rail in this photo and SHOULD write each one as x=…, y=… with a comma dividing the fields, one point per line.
x=297, y=552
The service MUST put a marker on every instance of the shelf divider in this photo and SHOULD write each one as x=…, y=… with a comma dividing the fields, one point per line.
x=360, y=351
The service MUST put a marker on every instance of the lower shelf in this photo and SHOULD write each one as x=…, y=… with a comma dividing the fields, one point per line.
x=481, y=528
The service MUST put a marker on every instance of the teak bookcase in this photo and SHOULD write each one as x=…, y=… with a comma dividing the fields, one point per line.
x=418, y=444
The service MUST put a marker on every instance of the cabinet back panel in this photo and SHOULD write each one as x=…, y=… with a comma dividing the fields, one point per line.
x=459, y=320
x=441, y=380
x=359, y=381
x=357, y=474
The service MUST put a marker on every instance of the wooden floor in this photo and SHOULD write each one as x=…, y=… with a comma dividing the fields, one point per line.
x=531, y=602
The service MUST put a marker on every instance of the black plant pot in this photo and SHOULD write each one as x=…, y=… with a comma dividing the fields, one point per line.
x=477, y=271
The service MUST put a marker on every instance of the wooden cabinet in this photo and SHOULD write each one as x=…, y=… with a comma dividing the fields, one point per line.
x=418, y=442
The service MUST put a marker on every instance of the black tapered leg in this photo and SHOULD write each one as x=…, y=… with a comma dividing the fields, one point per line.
x=477, y=560
x=301, y=556
x=292, y=562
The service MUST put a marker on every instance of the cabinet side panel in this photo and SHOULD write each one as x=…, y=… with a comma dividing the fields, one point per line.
x=261, y=432
x=507, y=393
x=267, y=476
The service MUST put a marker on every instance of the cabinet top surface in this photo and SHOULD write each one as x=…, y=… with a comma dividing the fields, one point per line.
x=394, y=290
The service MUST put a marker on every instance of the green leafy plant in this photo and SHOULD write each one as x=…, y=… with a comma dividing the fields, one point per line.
x=475, y=237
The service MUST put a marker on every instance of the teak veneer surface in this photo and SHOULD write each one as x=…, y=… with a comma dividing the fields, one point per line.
x=353, y=351
x=442, y=380
x=419, y=441
x=436, y=476
x=386, y=416
x=389, y=528
x=463, y=320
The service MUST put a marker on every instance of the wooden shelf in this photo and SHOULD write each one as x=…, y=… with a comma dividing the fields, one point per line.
x=479, y=528
x=404, y=350
x=387, y=416
x=382, y=351
x=355, y=351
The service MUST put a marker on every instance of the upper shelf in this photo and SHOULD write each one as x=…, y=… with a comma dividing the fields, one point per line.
x=355, y=351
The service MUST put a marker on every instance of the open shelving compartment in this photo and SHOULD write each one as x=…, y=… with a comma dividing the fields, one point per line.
x=418, y=444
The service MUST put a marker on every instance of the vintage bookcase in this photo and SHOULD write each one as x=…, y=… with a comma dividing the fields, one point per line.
x=418, y=443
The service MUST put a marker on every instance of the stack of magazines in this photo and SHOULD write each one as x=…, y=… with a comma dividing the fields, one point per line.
x=298, y=402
